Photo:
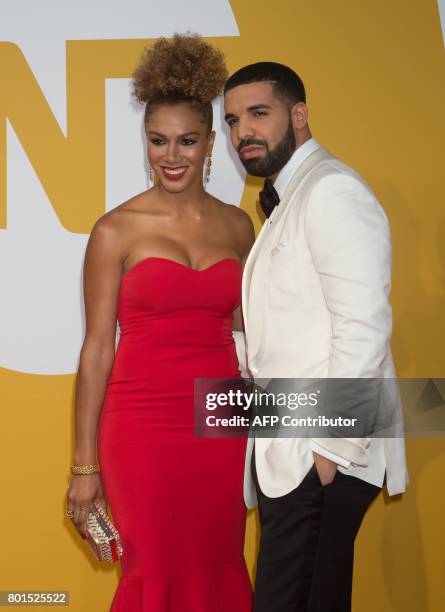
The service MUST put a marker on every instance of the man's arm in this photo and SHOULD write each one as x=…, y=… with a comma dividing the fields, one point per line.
x=348, y=236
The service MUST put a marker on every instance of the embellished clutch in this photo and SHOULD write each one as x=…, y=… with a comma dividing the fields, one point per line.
x=102, y=536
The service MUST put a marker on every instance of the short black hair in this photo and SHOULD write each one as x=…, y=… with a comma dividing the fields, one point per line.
x=287, y=85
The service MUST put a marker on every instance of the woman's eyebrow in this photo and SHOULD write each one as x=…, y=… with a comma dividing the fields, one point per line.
x=155, y=133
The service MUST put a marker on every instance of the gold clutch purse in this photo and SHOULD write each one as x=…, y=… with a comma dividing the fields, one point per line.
x=102, y=536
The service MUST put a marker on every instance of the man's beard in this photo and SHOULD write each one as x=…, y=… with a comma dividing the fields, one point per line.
x=274, y=160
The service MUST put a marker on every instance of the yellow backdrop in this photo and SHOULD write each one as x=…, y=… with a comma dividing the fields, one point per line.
x=374, y=72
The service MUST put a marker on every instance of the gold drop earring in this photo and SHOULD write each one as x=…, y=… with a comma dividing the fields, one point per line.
x=208, y=171
x=151, y=174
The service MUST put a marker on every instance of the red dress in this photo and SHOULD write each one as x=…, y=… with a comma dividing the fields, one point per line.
x=177, y=500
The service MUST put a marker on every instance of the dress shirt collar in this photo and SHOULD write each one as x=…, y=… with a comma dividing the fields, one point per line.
x=298, y=157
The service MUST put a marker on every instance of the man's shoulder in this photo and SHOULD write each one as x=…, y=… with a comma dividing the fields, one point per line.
x=332, y=165
x=336, y=189
x=333, y=173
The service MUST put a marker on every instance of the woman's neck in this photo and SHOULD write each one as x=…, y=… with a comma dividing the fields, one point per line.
x=192, y=200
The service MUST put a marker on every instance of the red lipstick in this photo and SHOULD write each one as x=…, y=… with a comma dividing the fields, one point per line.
x=174, y=174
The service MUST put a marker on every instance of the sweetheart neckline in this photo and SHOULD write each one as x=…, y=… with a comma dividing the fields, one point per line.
x=178, y=263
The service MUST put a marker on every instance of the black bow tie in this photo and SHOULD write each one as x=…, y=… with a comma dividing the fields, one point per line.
x=269, y=197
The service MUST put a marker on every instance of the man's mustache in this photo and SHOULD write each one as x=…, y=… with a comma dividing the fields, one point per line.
x=249, y=142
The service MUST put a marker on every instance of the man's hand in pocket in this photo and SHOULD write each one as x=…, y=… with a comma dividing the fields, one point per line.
x=326, y=469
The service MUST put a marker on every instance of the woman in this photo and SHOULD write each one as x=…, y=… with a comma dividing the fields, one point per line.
x=167, y=264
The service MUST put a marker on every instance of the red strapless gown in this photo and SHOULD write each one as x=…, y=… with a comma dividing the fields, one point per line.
x=176, y=500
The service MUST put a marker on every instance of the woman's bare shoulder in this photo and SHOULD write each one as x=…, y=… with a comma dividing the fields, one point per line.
x=234, y=213
x=114, y=227
x=240, y=224
x=239, y=218
x=122, y=214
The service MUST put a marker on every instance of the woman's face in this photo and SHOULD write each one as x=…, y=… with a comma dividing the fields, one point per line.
x=178, y=143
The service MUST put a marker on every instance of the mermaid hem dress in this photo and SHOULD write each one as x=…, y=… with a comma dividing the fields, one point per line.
x=176, y=499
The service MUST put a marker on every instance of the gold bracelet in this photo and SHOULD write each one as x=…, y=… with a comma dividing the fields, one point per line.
x=85, y=469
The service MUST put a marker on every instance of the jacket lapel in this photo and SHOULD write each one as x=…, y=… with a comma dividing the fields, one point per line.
x=251, y=258
x=255, y=269
x=302, y=171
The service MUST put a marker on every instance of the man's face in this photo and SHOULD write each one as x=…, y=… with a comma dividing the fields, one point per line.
x=260, y=128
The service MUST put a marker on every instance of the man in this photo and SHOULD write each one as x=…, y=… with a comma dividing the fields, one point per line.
x=315, y=303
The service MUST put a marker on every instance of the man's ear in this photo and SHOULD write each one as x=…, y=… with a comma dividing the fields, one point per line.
x=299, y=115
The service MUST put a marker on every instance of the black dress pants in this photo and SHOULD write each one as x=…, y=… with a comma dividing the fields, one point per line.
x=306, y=555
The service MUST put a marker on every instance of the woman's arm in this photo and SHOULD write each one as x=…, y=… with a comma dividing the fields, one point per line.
x=101, y=281
x=246, y=237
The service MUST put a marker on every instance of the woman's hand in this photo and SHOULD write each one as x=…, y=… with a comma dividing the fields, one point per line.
x=83, y=491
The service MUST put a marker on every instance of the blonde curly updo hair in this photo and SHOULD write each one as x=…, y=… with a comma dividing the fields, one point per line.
x=184, y=69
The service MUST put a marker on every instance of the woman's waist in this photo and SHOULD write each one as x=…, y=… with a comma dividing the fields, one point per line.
x=148, y=363
x=165, y=385
x=160, y=332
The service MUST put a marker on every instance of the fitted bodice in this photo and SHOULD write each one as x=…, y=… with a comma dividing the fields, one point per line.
x=175, y=322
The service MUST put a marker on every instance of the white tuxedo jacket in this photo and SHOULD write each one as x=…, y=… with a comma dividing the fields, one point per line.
x=316, y=305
